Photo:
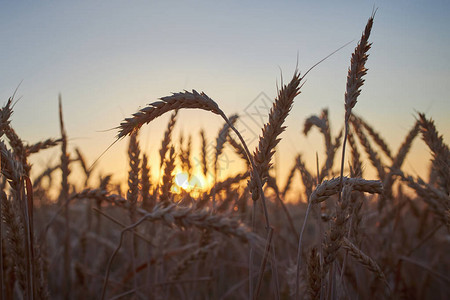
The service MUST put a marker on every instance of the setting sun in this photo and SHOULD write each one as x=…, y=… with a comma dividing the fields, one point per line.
x=190, y=183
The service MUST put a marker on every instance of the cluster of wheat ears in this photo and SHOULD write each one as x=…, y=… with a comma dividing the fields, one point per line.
x=353, y=238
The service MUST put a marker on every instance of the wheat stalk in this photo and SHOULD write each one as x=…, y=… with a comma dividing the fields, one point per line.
x=357, y=70
x=133, y=193
x=22, y=207
x=354, y=82
x=333, y=237
x=63, y=197
x=271, y=182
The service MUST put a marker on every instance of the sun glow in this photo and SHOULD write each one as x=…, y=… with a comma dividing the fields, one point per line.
x=193, y=184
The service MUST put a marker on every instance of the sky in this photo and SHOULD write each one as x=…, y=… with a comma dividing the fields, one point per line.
x=108, y=59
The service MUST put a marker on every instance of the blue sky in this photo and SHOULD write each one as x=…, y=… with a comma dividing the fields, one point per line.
x=107, y=59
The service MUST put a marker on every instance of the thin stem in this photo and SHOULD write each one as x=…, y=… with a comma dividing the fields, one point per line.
x=299, y=252
x=342, y=160
x=255, y=172
x=264, y=262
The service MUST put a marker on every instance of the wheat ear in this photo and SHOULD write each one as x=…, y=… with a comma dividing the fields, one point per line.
x=333, y=238
x=272, y=129
x=14, y=237
x=322, y=123
x=375, y=136
x=405, y=147
x=441, y=152
x=356, y=156
x=287, y=186
x=438, y=200
x=176, y=101
x=238, y=149
x=35, y=148
x=147, y=202
x=204, y=154
x=5, y=114
x=307, y=178
x=355, y=81
x=133, y=175
x=313, y=274
x=399, y=159
x=166, y=194
x=331, y=187
x=18, y=147
x=373, y=156
x=331, y=154
x=184, y=264
x=167, y=138
x=64, y=196
x=220, y=141
x=364, y=259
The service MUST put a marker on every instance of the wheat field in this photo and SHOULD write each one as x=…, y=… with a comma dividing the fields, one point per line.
x=346, y=237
